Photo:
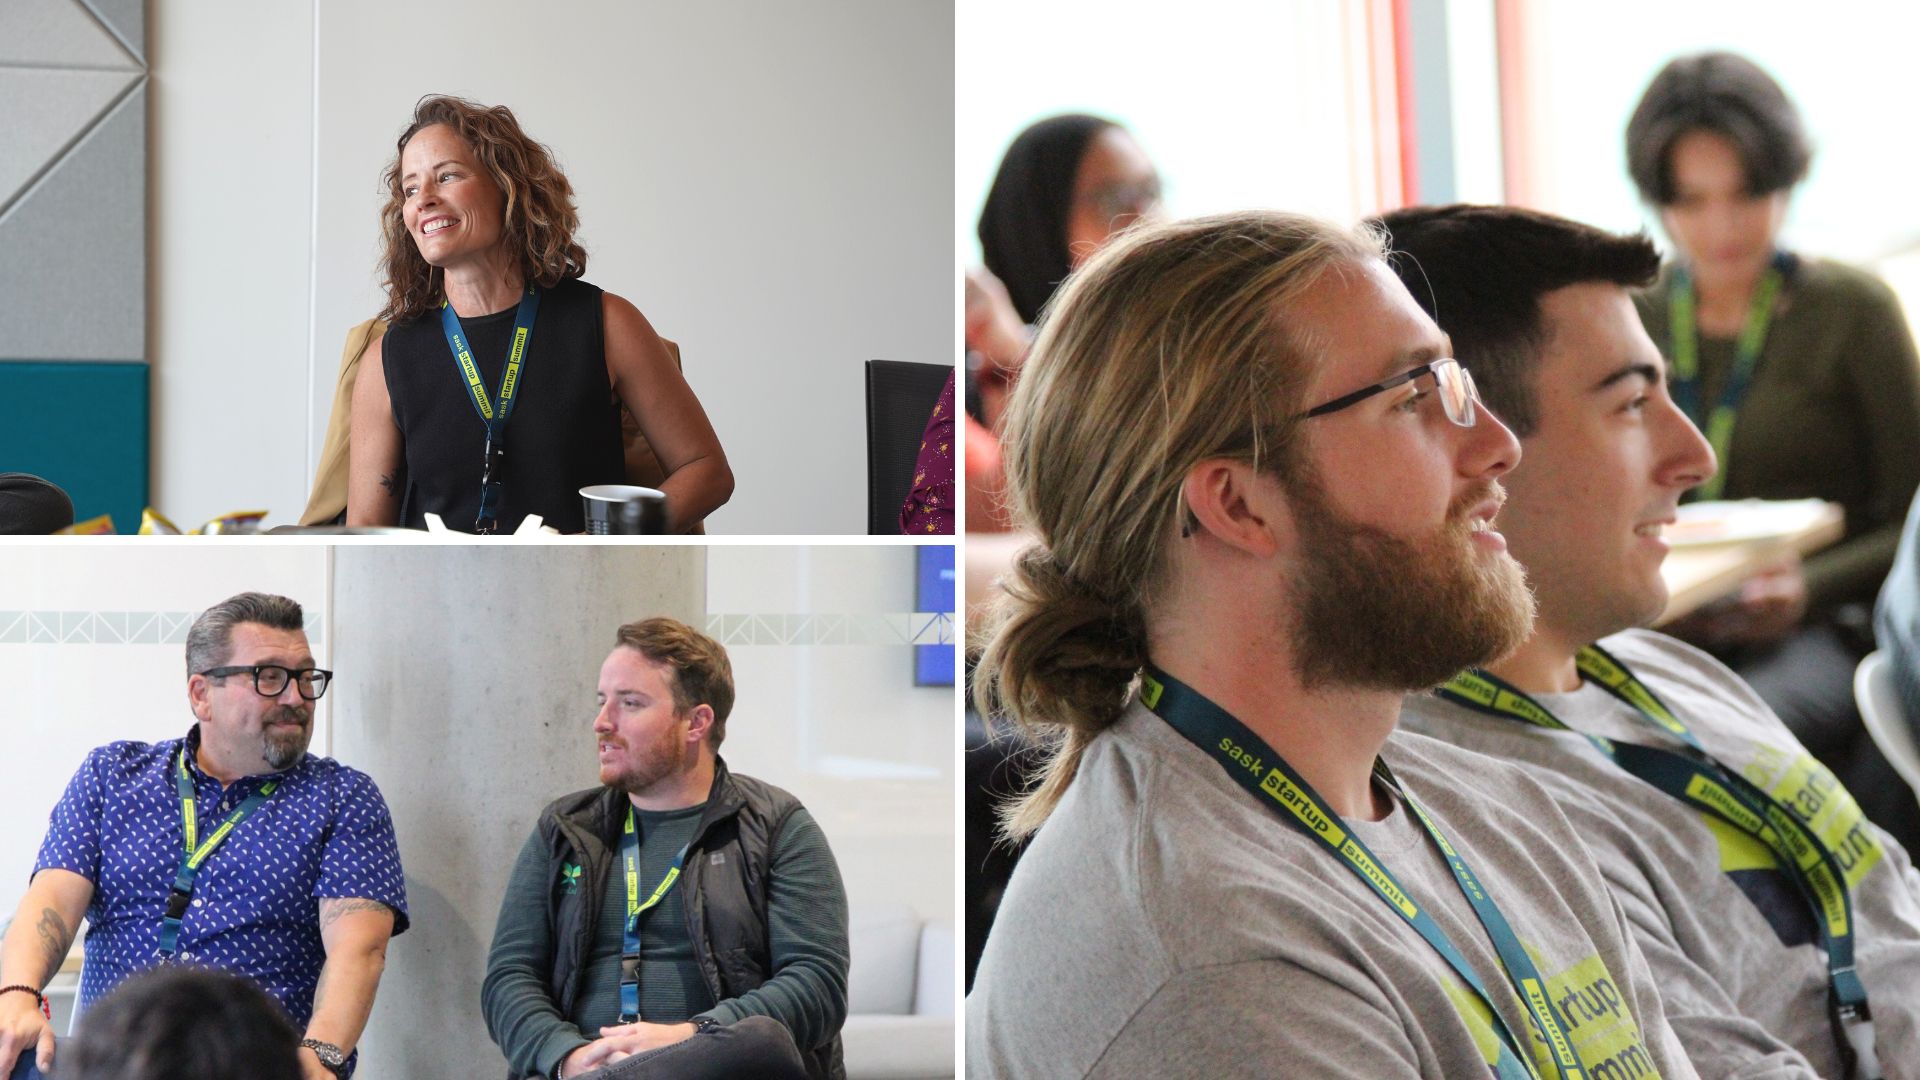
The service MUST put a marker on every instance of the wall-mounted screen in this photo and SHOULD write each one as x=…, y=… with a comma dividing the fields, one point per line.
x=933, y=593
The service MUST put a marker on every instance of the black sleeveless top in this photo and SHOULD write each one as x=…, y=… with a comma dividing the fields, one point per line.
x=564, y=433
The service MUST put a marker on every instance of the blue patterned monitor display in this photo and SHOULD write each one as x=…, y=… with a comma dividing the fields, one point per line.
x=933, y=592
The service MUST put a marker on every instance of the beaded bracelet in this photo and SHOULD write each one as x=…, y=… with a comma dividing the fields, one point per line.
x=46, y=1010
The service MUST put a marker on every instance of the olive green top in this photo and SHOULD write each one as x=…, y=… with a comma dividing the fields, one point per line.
x=1833, y=412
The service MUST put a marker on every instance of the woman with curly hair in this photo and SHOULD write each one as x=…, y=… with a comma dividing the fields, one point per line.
x=495, y=393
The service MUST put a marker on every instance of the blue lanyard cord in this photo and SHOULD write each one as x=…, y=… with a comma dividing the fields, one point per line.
x=1695, y=777
x=1255, y=766
x=1684, y=379
x=630, y=950
x=197, y=850
x=494, y=410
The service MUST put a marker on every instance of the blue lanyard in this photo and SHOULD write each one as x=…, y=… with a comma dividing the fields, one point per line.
x=493, y=411
x=630, y=944
x=197, y=850
x=1685, y=377
x=1255, y=766
x=1696, y=778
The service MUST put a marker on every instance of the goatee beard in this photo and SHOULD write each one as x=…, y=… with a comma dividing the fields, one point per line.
x=281, y=748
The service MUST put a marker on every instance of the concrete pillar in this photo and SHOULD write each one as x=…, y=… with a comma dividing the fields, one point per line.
x=465, y=689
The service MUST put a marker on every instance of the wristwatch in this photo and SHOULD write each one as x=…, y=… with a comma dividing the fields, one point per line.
x=334, y=1058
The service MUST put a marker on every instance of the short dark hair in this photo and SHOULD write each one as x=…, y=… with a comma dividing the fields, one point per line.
x=1731, y=96
x=210, y=639
x=1480, y=272
x=173, y=1021
x=702, y=674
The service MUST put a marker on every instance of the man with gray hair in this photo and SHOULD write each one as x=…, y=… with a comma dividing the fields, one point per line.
x=230, y=848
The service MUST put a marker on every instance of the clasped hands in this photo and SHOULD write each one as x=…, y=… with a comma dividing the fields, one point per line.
x=618, y=1042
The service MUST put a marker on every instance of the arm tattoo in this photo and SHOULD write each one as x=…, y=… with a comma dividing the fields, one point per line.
x=391, y=481
x=55, y=939
x=331, y=910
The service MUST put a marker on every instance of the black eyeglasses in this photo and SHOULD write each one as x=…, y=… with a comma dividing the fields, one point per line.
x=270, y=680
x=1458, y=395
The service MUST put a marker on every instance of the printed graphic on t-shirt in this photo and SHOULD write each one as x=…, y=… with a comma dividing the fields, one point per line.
x=1811, y=793
x=1594, y=1009
x=1754, y=870
x=1814, y=795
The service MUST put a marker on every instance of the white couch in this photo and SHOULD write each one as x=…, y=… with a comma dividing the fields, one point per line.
x=900, y=995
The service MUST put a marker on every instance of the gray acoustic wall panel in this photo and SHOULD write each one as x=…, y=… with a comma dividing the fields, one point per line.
x=47, y=111
x=73, y=284
x=128, y=21
x=60, y=33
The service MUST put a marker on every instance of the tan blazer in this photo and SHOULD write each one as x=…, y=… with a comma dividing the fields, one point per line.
x=328, y=500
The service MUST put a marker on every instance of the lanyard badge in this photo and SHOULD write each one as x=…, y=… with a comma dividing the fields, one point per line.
x=1685, y=377
x=1695, y=777
x=1273, y=783
x=495, y=409
x=197, y=851
x=630, y=941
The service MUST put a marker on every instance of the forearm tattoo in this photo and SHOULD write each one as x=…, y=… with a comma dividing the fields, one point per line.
x=391, y=481
x=55, y=939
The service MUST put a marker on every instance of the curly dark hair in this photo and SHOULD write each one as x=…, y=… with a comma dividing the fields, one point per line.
x=540, y=218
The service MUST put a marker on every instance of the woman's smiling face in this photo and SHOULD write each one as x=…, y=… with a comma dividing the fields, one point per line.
x=452, y=209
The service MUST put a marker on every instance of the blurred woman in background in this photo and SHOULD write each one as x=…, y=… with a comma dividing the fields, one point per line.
x=1801, y=371
x=1066, y=184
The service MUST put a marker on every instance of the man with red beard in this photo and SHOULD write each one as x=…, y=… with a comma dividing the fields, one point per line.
x=231, y=848
x=679, y=920
x=1263, y=496
x=1714, y=826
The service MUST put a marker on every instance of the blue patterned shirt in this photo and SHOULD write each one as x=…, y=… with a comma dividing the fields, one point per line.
x=324, y=833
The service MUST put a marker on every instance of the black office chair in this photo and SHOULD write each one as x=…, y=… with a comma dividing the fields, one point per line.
x=30, y=506
x=900, y=399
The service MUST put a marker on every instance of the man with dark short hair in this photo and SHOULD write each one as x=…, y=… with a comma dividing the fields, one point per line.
x=1712, y=823
x=170, y=1023
x=679, y=921
x=230, y=848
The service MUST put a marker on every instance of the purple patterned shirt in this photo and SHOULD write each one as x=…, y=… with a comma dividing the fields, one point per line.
x=929, y=506
x=324, y=833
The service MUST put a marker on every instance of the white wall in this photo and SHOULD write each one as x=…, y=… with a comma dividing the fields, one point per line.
x=73, y=685
x=1849, y=70
x=1239, y=105
x=770, y=183
x=840, y=724
x=230, y=147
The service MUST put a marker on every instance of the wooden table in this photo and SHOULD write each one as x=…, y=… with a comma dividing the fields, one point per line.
x=1699, y=574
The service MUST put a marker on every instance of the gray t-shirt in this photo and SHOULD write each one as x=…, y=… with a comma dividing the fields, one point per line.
x=1726, y=932
x=1164, y=923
